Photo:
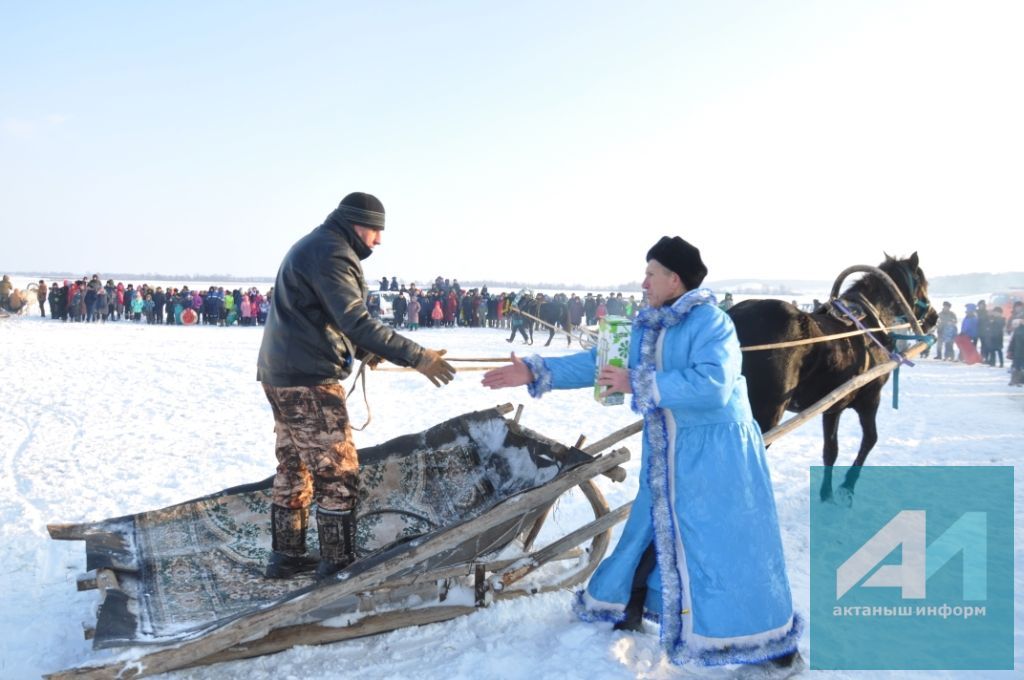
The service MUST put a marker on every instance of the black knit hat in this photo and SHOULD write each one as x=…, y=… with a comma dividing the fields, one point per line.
x=363, y=209
x=678, y=256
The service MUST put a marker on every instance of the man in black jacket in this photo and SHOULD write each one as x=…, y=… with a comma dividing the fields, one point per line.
x=318, y=326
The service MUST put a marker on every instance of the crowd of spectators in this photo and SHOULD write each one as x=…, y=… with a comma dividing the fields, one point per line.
x=89, y=300
x=445, y=303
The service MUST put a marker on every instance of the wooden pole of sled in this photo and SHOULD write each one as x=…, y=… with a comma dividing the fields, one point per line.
x=835, y=395
x=259, y=624
x=603, y=523
x=535, y=529
x=281, y=639
x=799, y=419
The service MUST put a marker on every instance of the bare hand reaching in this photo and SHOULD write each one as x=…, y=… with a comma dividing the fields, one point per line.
x=514, y=375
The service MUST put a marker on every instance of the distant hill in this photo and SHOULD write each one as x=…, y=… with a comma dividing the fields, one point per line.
x=963, y=284
x=960, y=284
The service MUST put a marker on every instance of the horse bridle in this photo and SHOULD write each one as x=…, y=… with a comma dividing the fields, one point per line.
x=921, y=302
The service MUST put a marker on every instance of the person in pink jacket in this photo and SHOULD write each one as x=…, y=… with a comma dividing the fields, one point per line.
x=245, y=309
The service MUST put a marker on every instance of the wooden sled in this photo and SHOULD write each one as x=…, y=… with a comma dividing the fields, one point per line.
x=423, y=576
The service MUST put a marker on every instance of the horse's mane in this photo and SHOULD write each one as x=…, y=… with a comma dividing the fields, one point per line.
x=906, y=273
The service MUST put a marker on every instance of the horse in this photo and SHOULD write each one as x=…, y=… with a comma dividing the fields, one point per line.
x=555, y=315
x=794, y=378
x=552, y=314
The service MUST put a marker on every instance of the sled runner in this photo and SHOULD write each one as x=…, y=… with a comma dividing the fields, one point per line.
x=448, y=519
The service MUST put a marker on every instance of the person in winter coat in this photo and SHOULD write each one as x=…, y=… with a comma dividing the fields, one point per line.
x=119, y=302
x=701, y=548
x=111, y=290
x=263, y=311
x=1015, y=353
x=78, y=302
x=245, y=311
x=575, y=311
x=969, y=327
x=317, y=328
x=137, y=306
x=229, y=308
x=945, y=333
x=54, y=300
x=91, y=304
x=414, y=313
x=398, y=308
x=451, y=306
x=436, y=315
x=993, y=337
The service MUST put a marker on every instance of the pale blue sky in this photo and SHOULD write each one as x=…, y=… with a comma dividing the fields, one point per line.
x=534, y=141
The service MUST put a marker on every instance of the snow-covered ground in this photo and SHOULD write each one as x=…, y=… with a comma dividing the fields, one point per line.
x=103, y=420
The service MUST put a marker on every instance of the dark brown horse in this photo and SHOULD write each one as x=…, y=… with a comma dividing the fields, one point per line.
x=794, y=378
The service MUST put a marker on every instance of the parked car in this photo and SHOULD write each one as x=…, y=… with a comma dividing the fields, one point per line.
x=383, y=301
x=1005, y=300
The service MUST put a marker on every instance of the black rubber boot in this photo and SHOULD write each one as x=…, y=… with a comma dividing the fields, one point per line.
x=337, y=531
x=289, y=555
x=638, y=594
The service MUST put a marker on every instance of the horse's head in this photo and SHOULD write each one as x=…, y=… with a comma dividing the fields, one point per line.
x=910, y=278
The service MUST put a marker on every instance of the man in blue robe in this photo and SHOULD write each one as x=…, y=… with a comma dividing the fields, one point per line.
x=701, y=551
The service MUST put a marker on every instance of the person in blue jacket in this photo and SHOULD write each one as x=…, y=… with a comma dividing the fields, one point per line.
x=701, y=551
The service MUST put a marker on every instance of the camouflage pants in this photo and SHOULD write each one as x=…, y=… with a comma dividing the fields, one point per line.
x=316, y=459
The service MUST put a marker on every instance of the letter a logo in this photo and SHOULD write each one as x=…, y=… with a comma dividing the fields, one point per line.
x=906, y=529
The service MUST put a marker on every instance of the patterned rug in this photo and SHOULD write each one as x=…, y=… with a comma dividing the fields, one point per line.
x=184, y=568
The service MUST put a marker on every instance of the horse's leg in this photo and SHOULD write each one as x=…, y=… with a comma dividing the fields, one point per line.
x=551, y=335
x=867, y=410
x=830, y=451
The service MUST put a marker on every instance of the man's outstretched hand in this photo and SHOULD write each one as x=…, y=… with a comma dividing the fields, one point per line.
x=437, y=370
x=514, y=375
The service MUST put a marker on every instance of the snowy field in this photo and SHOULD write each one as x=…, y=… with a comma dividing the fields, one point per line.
x=109, y=419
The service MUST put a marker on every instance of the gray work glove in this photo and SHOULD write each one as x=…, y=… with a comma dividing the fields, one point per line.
x=437, y=370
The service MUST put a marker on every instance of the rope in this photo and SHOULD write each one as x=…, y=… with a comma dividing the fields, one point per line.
x=361, y=373
x=824, y=338
x=504, y=359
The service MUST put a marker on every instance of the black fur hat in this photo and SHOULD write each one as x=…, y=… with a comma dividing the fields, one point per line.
x=677, y=255
x=363, y=209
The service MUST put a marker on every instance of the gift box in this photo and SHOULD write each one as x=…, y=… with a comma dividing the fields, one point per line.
x=612, y=350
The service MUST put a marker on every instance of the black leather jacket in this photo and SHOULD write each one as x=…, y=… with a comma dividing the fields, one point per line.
x=318, y=324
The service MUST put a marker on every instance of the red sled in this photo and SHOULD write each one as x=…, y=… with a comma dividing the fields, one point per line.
x=968, y=352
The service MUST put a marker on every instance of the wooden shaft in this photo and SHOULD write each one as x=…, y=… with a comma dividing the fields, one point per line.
x=835, y=395
x=603, y=523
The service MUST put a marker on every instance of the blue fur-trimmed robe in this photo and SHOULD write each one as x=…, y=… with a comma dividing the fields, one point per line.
x=720, y=590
